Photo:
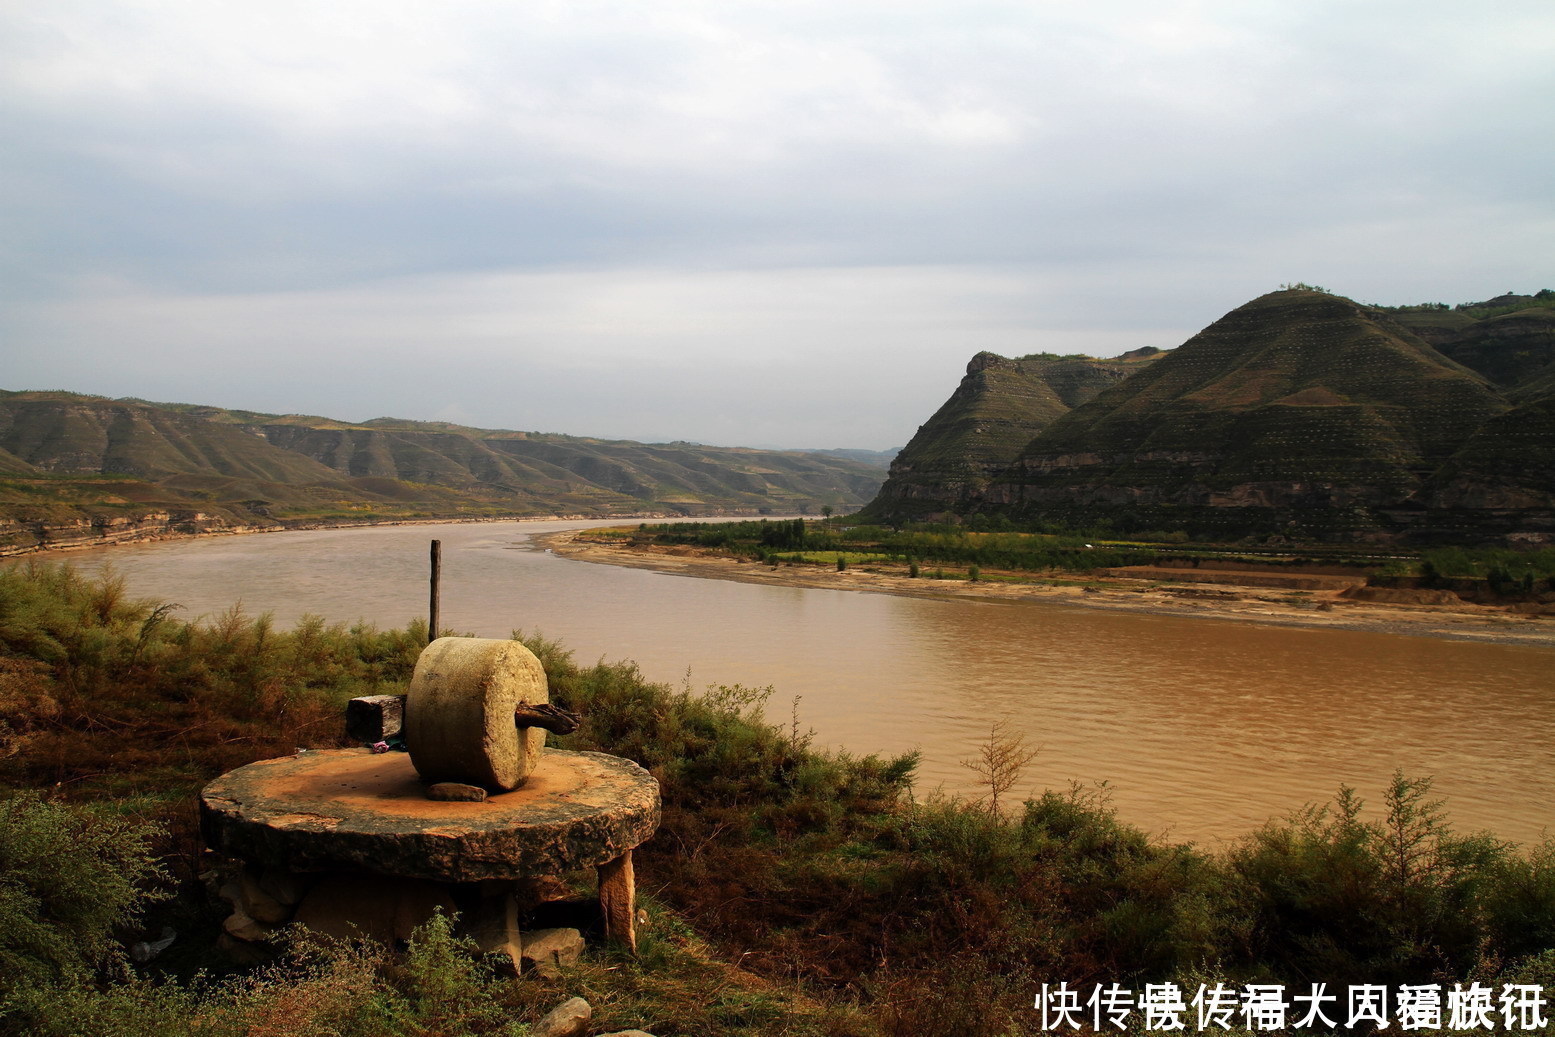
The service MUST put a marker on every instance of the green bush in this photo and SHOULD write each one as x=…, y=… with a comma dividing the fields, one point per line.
x=1330, y=895
x=94, y=684
x=319, y=988
x=67, y=878
x=813, y=867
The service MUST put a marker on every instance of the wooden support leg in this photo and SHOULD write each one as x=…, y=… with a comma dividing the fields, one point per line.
x=618, y=901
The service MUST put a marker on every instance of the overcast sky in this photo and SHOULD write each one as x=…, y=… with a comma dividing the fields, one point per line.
x=780, y=223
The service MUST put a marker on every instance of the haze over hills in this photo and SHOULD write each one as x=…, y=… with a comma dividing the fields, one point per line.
x=84, y=468
x=1299, y=414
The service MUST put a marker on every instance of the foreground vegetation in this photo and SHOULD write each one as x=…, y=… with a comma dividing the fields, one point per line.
x=791, y=891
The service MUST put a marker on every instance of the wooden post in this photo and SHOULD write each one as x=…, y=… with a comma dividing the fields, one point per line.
x=437, y=575
x=618, y=901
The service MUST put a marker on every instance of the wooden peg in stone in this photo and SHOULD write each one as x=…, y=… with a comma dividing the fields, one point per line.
x=553, y=718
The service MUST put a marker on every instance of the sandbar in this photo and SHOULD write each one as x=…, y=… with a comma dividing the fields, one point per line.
x=1222, y=600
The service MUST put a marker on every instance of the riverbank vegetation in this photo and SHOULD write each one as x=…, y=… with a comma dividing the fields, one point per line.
x=791, y=891
x=1024, y=553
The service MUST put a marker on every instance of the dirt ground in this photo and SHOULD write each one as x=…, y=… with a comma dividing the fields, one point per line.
x=1160, y=593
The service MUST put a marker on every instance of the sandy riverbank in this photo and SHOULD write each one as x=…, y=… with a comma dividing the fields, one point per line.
x=160, y=534
x=1318, y=609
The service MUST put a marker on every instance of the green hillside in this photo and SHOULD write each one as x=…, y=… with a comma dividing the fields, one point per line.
x=995, y=411
x=1300, y=414
x=73, y=467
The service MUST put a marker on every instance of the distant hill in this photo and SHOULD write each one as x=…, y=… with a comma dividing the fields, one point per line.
x=84, y=468
x=1300, y=414
x=995, y=411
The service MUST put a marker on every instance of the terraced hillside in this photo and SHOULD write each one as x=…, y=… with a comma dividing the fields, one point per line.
x=995, y=411
x=1307, y=415
x=87, y=468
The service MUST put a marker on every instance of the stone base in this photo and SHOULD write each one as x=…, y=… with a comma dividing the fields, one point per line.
x=493, y=913
x=346, y=842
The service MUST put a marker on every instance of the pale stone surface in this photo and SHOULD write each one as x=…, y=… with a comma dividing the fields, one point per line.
x=568, y=1019
x=459, y=712
x=627, y=1033
x=354, y=810
x=376, y=906
x=456, y=792
x=547, y=950
x=240, y=926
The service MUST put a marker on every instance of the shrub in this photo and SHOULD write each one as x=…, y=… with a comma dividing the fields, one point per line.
x=1332, y=896
x=67, y=878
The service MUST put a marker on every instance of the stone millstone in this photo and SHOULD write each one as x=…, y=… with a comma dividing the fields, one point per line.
x=356, y=810
x=459, y=712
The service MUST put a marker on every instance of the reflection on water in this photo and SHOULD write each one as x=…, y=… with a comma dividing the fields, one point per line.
x=1202, y=729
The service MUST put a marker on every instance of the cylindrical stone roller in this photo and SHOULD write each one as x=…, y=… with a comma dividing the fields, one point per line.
x=459, y=712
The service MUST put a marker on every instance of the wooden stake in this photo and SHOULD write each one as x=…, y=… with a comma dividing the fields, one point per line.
x=437, y=575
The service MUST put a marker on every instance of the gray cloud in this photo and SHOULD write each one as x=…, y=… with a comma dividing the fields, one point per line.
x=645, y=212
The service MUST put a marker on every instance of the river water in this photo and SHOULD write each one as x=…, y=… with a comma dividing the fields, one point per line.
x=1201, y=729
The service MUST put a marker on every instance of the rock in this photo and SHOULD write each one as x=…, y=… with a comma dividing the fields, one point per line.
x=548, y=950
x=282, y=886
x=568, y=1019
x=494, y=928
x=627, y=1033
x=375, y=906
x=241, y=927
x=459, y=712
x=260, y=905
x=456, y=792
x=618, y=900
x=375, y=718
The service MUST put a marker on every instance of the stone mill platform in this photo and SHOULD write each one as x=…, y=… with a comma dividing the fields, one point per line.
x=478, y=818
x=355, y=810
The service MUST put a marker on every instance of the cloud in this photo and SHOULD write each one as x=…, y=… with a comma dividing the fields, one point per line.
x=661, y=183
x=798, y=355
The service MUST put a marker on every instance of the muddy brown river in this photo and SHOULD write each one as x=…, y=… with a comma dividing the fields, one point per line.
x=1201, y=729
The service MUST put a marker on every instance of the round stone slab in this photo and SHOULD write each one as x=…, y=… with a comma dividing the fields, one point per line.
x=459, y=712
x=356, y=810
